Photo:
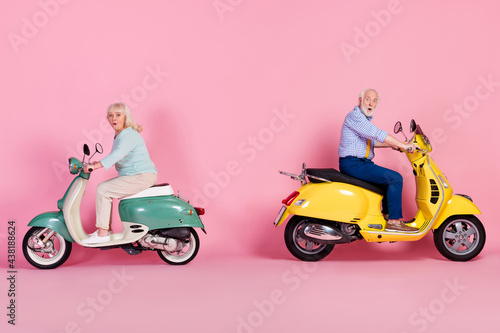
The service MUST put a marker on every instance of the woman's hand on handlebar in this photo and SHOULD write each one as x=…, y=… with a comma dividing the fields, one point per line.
x=89, y=167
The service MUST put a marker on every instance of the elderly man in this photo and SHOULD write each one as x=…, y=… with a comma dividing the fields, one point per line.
x=358, y=139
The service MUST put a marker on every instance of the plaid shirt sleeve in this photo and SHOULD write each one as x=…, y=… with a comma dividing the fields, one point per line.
x=356, y=131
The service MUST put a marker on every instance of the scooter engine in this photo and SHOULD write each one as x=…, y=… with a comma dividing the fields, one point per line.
x=158, y=242
x=348, y=228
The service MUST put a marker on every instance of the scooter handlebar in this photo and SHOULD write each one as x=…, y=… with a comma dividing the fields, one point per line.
x=401, y=150
x=89, y=169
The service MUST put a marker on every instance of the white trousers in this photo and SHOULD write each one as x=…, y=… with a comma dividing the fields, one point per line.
x=117, y=188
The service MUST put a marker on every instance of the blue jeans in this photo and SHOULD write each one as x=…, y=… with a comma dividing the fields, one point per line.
x=368, y=171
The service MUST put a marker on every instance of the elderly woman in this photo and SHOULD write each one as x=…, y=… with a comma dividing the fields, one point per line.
x=136, y=171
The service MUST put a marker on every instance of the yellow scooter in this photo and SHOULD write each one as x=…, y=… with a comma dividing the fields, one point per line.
x=334, y=208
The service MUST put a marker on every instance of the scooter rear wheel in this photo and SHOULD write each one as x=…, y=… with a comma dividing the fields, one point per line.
x=460, y=238
x=186, y=254
x=56, y=251
x=301, y=248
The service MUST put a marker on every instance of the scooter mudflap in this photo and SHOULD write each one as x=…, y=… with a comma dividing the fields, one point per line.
x=280, y=215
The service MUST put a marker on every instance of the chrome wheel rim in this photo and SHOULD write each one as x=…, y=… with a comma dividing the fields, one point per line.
x=303, y=245
x=185, y=253
x=56, y=248
x=461, y=237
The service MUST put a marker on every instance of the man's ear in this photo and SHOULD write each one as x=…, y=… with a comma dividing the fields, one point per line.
x=359, y=101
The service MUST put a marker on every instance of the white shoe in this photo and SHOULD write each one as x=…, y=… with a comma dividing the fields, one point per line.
x=95, y=239
x=95, y=233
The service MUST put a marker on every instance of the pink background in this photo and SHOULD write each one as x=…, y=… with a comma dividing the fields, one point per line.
x=229, y=92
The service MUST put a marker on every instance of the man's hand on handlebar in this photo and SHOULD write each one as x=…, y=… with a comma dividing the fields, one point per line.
x=409, y=147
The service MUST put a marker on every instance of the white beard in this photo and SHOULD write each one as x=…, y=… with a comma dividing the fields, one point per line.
x=366, y=112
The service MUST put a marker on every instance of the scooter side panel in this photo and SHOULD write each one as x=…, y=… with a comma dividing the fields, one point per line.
x=60, y=202
x=160, y=212
x=336, y=202
x=54, y=221
x=71, y=209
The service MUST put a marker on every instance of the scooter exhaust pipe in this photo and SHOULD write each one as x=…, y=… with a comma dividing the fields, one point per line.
x=320, y=233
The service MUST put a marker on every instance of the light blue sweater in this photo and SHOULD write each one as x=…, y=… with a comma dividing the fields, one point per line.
x=129, y=154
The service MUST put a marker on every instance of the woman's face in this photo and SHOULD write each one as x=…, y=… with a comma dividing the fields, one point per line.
x=117, y=120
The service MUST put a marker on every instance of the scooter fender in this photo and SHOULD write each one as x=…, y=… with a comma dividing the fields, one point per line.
x=457, y=205
x=336, y=202
x=160, y=212
x=54, y=221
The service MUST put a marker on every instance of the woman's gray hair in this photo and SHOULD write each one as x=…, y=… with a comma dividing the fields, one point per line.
x=129, y=120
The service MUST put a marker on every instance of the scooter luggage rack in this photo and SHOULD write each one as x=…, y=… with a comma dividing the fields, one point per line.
x=302, y=176
x=183, y=198
x=319, y=178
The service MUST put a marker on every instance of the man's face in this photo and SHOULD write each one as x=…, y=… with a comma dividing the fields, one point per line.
x=369, y=102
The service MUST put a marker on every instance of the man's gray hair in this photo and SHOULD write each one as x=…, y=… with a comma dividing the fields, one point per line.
x=362, y=94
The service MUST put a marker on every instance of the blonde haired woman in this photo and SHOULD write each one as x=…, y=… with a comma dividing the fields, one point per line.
x=136, y=171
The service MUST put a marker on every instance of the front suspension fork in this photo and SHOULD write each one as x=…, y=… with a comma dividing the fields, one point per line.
x=43, y=242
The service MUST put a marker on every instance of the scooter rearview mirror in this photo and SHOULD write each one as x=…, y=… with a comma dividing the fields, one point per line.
x=413, y=126
x=86, y=150
x=398, y=127
x=98, y=148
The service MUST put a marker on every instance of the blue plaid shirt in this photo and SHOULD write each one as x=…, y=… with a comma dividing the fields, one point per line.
x=356, y=131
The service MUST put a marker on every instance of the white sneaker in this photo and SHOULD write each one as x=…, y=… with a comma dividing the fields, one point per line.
x=95, y=233
x=95, y=239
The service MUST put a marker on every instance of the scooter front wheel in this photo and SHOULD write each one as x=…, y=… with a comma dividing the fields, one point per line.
x=460, y=238
x=300, y=248
x=45, y=249
x=188, y=250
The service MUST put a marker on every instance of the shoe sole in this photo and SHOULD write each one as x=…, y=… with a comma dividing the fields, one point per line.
x=100, y=242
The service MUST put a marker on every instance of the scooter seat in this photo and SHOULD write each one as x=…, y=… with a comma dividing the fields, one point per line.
x=330, y=174
x=153, y=191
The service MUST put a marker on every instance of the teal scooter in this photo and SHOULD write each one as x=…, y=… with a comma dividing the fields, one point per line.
x=155, y=219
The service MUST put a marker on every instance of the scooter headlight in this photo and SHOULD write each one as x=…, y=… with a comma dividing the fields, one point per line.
x=74, y=165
